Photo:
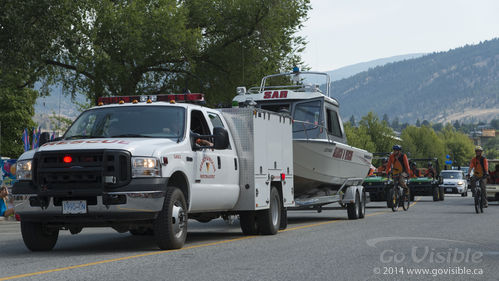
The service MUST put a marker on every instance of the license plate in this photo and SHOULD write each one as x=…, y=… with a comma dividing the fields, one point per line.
x=449, y=189
x=74, y=207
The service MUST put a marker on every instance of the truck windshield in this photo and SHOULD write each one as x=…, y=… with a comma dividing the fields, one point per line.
x=452, y=175
x=129, y=121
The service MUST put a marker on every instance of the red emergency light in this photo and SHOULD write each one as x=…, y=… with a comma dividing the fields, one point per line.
x=189, y=98
x=67, y=159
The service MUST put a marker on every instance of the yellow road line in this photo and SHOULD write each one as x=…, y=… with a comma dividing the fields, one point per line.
x=123, y=258
x=168, y=251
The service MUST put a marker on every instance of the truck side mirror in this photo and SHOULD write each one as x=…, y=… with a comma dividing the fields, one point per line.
x=221, y=138
x=44, y=138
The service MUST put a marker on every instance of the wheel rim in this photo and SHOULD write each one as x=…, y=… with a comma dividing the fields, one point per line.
x=178, y=219
x=274, y=207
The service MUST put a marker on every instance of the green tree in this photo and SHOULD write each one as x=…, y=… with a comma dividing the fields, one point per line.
x=423, y=142
x=380, y=133
x=157, y=46
x=358, y=137
x=458, y=145
x=15, y=116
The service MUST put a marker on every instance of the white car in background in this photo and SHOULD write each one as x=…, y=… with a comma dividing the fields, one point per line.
x=454, y=182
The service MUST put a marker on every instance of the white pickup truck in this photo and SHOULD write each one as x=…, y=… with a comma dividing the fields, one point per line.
x=148, y=163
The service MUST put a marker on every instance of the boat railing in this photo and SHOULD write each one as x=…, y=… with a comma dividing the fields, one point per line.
x=296, y=88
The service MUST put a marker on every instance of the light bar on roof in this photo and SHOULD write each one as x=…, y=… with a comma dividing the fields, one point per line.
x=189, y=98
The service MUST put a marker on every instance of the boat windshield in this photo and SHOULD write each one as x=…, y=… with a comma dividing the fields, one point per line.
x=308, y=120
x=134, y=121
x=452, y=175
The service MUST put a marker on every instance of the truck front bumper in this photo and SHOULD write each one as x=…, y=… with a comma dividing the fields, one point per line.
x=140, y=200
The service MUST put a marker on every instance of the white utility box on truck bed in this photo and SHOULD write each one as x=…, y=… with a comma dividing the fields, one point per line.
x=146, y=164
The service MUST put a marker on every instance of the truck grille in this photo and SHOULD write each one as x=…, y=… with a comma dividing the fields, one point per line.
x=87, y=169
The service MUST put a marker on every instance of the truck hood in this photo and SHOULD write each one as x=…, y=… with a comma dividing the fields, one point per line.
x=136, y=146
x=452, y=181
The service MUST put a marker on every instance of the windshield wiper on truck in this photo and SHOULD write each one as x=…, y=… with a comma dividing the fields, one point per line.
x=82, y=137
x=131, y=136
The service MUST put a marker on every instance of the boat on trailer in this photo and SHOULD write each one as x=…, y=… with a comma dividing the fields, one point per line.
x=324, y=164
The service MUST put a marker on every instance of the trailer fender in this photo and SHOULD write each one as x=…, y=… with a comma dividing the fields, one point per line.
x=349, y=195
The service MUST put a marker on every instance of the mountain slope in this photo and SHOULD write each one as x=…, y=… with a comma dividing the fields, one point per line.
x=438, y=87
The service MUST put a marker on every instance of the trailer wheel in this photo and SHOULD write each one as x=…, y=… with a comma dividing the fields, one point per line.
x=436, y=194
x=269, y=220
x=37, y=237
x=362, y=210
x=353, y=209
x=248, y=222
x=170, y=227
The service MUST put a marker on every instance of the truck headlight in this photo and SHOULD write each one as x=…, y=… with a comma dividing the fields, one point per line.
x=460, y=182
x=145, y=167
x=23, y=170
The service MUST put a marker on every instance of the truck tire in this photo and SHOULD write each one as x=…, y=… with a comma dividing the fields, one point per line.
x=353, y=209
x=269, y=220
x=362, y=210
x=436, y=194
x=441, y=194
x=248, y=222
x=170, y=227
x=37, y=237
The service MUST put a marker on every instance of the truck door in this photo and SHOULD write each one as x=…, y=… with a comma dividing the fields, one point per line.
x=215, y=186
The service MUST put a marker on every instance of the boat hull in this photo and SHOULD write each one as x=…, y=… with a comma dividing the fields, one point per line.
x=321, y=166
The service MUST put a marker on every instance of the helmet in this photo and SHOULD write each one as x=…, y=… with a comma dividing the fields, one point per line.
x=385, y=160
x=430, y=164
x=397, y=147
x=478, y=148
x=413, y=164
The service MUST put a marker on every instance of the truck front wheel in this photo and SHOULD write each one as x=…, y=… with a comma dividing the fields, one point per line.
x=170, y=227
x=37, y=237
x=269, y=220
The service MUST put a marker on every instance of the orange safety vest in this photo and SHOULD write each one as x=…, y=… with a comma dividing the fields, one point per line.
x=479, y=166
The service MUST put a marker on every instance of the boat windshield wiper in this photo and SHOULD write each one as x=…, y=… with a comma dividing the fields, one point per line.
x=131, y=136
x=82, y=137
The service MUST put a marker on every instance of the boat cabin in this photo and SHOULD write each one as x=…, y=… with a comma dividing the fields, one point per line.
x=315, y=114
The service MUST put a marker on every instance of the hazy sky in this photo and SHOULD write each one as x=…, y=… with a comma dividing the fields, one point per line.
x=345, y=32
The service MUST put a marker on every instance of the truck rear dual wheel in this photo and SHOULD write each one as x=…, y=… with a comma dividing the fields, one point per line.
x=249, y=223
x=37, y=237
x=170, y=227
x=267, y=222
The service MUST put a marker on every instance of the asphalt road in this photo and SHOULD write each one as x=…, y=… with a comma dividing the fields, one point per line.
x=443, y=240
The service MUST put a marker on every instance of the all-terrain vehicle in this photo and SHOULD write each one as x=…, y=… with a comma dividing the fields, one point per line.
x=378, y=184
x=426, y=185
